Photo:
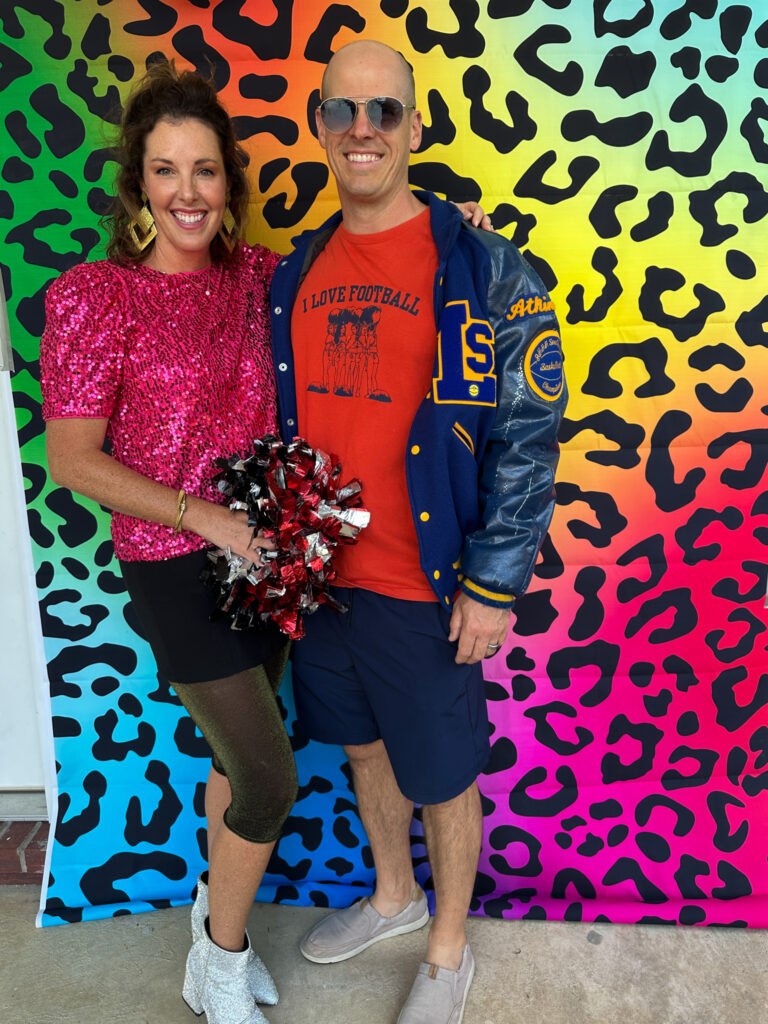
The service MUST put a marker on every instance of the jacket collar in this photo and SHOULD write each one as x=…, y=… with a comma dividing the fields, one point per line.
x=444, y=219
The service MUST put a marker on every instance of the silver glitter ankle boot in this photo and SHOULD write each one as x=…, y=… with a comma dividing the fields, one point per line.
x=216, y=984
x=260, y=981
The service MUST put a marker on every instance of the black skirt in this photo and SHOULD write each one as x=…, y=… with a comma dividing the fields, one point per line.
x=174, y=610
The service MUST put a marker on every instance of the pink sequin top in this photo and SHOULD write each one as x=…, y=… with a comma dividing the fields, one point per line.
x=180, y=365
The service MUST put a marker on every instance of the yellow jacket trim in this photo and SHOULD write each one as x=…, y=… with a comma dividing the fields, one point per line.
x=463, y=436
x=486, y=593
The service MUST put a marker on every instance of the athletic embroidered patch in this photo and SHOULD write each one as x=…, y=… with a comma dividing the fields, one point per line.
x=544, y=366
x=530, y=305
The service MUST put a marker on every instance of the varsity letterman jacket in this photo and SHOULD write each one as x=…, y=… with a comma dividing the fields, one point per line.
x=482, y=450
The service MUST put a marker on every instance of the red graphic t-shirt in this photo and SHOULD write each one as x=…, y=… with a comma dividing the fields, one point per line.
x=364, y=340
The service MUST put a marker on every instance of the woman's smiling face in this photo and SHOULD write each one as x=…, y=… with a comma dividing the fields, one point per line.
x=186, y=186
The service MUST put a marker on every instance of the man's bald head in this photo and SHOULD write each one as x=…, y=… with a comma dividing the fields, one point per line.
x=364, y=50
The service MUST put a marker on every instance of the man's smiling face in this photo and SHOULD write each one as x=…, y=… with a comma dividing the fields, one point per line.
x=370, y=166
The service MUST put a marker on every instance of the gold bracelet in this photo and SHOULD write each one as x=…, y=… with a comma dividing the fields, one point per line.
x=181, y=508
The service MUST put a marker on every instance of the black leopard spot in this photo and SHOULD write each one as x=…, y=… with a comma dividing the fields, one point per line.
x=12, y=65
x=734, y=22
x=340, y=866
x=705, y=764
x=605, y=809
x=69, y=831
x=16, y=170
x=440, y=178
x=438, y=129
x=688, y=59
x=688, y=724
x=527, y=805
x=691, y=532
x=622, y=27
x=660, y=471
x=660, y=210
x=18, y=129
x=744, y=644
x=650, y=352
x=603, y=217
x=703, y=205
x=97, y=882
x=618, y=131
x=678, y=22
x=735, y=882
x=158, y=829
x=684, y=619
x=522, y=687
x=531, y=183
x=652, y=550
x=720, y=69
x=684, y=816
x=647, y=735
x=658, y=705
x=504, y=137
x=502, y=757
x=466, y=41
x=547, y=735
x=549, y=565
x=534, y=613
x=501, y=837
x=627, y=870
x=625, y=72
x=343, y=832
x=600, y=654
x=604, y=261
x=591, y=613
x=740, y=265
x=610, y=521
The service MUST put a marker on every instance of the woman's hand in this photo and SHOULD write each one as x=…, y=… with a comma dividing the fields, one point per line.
x=474, y=213
x=225, y=529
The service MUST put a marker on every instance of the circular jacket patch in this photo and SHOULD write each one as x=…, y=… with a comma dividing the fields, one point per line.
x=544, y=366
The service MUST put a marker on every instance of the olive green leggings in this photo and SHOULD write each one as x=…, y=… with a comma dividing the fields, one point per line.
x=240, y=718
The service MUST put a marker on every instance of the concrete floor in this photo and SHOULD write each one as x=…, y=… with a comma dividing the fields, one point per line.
x=129, y=970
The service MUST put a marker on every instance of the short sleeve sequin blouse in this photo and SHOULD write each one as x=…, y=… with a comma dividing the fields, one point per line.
x=180, y=365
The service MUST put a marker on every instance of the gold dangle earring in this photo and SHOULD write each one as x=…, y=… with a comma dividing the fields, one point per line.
x=144, y=222
x=228, y=227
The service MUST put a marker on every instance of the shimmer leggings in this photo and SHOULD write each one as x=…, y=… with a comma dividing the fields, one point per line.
x=240, y=718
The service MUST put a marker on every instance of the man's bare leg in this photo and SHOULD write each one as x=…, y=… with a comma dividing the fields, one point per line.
x=454, y=835
x=386, y=815
x=454, y=832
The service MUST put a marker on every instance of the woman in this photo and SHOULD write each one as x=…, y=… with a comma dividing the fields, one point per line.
x=164, y=349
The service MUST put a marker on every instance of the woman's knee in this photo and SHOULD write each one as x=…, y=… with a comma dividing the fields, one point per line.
x=258, y=810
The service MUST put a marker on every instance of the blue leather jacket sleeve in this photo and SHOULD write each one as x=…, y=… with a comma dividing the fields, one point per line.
x=517, y=469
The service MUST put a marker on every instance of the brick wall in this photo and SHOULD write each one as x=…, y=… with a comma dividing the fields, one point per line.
x=22, y=852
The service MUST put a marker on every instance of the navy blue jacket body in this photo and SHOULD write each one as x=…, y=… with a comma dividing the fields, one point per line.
x=482, y=451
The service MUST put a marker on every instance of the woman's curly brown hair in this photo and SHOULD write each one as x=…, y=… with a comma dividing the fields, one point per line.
x=167, y=94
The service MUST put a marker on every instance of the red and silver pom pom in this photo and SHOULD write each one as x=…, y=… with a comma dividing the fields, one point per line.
x=292, y=493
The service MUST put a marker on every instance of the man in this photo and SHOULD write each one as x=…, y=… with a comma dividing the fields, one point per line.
x=448, y=413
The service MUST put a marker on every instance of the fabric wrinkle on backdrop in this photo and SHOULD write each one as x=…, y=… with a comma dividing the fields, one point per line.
x=625, y=157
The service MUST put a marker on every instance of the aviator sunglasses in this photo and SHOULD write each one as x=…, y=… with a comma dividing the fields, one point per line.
x=385, y=113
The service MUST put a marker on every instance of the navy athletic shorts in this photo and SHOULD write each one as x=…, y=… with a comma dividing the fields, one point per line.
x=385, y=669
